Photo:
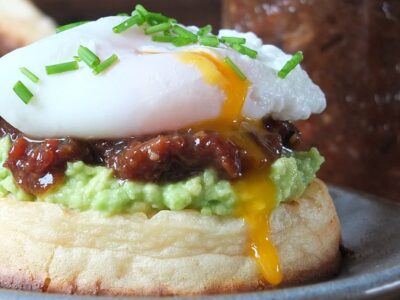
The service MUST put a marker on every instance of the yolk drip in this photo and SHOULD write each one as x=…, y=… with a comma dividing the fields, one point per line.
x=257, y=201
x=216, y=73
x=255, y=191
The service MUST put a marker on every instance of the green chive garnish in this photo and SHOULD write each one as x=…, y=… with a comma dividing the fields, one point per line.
x=167, y=32
x=245, y=50
x=157, y=18
x=211, y=41
x=23, y=92
x=137, y=19
x=142, y=11
x=70, y=26
x=30, y=75
x=61, y=68
x=183, y=32
x=88, y=56
x=232, y=40
x=175, y=40
x=235, y=68
x=291, y=64
x=105, y=64
x=158, y=28
x=183, y=41
x=181, y=36
x=204, y=30
x=163, y=38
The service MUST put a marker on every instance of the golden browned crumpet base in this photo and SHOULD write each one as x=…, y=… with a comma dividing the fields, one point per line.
x=47, y=248
x=21, y=23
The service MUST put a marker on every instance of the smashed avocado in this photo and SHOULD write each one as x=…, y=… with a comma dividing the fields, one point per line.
x=88, y=187
x=291, y=175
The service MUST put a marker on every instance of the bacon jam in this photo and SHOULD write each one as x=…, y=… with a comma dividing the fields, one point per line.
x=39, y=165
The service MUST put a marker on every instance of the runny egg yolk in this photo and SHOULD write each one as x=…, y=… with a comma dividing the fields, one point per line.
x=256, y=193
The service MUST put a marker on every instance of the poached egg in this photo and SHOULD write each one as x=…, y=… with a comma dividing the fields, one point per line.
x=155, y=87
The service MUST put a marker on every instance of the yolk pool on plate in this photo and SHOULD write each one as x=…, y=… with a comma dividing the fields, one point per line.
x=255, y=191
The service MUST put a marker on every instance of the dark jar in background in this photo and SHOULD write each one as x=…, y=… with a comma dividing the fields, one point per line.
x=352, y=51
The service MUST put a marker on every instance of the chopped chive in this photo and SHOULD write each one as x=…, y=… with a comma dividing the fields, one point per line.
x=123, y=15
x=142, y=11
x=88, y=56
x=153, y=22
x=167, y=33
x=158, y=28
x=105, y=64
x=232, y=40
x=204, y=30
x=175, y=40
x=128, y=23
x=70, y=26
x=23, y=92
x=183, y=32
x=245, y=50
x=157, y=18
x=291, y=64
x=211, y=41
x=163, y=38
x=30, y=75
x=235, y=68
x=183, y=41
x=77, y=58
x=61, y=68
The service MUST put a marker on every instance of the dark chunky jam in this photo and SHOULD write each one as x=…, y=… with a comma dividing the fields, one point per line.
x=38, y=165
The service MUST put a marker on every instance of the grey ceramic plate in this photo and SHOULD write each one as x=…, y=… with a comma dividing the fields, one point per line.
x=371, y=229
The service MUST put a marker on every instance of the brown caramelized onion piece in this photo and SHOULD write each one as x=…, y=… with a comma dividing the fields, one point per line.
x=270, y=142
x=7, y=129
x=38, y=166
x=288, y=132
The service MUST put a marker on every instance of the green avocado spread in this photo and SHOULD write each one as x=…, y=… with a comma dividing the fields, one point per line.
x=87, y=187
x=291, y=175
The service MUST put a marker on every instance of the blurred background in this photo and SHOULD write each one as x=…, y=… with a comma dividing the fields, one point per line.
x=352, y=51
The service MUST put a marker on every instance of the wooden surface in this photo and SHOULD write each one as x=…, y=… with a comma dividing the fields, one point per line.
x=197, y=12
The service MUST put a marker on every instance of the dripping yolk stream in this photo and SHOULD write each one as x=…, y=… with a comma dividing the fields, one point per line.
x=256, y=193
x=257, y=201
